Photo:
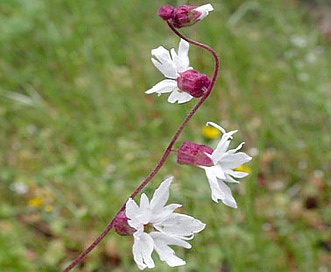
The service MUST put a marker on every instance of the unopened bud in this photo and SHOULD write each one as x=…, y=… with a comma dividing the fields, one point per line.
x=121, y=225
x=166, y=12
x=194, y=154
x=184, y=15
x=193, y=82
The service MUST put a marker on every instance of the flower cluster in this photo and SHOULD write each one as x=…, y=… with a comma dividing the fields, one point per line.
x=153, y=224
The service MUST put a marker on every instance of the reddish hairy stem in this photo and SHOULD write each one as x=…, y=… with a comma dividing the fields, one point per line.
x=166, y=153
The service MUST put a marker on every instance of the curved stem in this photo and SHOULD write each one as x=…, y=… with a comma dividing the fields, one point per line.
x=165, y=155
x=206, y=47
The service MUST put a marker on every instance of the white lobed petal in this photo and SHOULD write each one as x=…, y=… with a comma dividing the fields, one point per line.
x=167, y=254
x=181, y=59
x=164, y=86
x=231, y=161
x=230, y=179
x=161, y=194
x=132, y=212
x=216, y=170
x=216, y=193
x=180, y=225
x=219, y=189
x=131, y=208
x=220, y=150
x=237, y=148
x=216, y=126
x=142, y=250
x=163, y=62
x=227, y=198
x=138, y=216
x=162, y=214
x=162, y=237
x=179, y=96
x=144, y=203
x=236, y=174
x=204, y=9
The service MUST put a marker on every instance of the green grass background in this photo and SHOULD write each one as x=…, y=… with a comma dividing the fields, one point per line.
x=78, y=133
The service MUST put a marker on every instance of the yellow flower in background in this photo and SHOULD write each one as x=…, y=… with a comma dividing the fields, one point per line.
x=210, y=132
x=39, y=202
x=244, y=168
x=36, y=202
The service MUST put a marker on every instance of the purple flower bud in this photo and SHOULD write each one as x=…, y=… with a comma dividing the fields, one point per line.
x=166, y=12
x=193, y=82
x=121, y=225
x=184, y=15
x=194, y=154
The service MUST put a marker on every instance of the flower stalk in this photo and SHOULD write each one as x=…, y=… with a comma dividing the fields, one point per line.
x=167, y=151
x=168, y=227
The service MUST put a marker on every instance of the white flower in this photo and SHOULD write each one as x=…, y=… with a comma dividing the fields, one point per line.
x=19, y=188
x=225, y=162
x=170, y=65
x=166, y=228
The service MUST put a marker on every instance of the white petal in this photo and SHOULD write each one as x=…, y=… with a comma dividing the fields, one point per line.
x=231, y=161
x=219, y=189
x=237, y=174
x=164, y=86
x=204, y=9
x=139, y=216
x=216, y=193
x=164, y=63
x=161, y=194
x=142, y=250
x=230, y=179
x=162, y=237
x=227, y=198
x=220, y=150
x=222, y=146
x=132, y=211
x=144, y=202
x=167, y=254
x=180, y=225
x=181, y=60
x=131, y=208
x=183, y=48
x=162, y=214
x=217, y=171
x=181, y=97
x=236, y=149
x=216, y=126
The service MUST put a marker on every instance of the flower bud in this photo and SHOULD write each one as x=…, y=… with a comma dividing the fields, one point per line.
x=184, y=15
x=194, y=154
x=193, y=82
x=166, y=12
x=121, y=225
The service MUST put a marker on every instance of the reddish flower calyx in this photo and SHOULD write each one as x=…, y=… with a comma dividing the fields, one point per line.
x=193, y=82
x=194, y=154
x=121, y=225
x=184, y=15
